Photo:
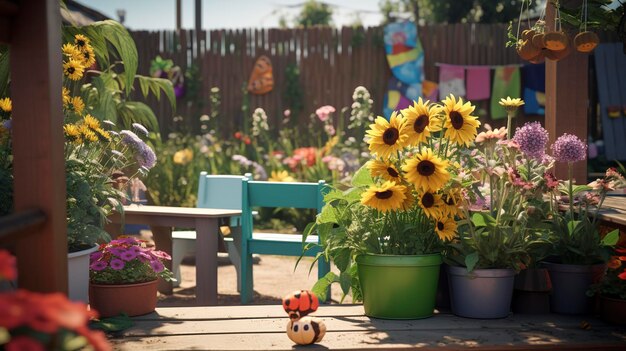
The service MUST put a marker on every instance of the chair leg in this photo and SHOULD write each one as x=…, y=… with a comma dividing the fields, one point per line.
x=323, y=267
x=180, y=247
x=234, y=253
x=246, y=286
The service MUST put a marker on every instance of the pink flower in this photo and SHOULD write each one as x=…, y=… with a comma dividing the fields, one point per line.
x=128, y=255
x=551, y=181
x=287, y=113
x=157, y=266
x=330, y=130
x=161, y=254
x=98, y=265
x=117, y=264
x=324, y=112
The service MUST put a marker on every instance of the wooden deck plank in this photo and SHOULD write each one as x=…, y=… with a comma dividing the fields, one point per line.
x=263, y=328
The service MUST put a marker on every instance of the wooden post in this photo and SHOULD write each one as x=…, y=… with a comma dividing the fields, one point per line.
x=179, y=21
x=567, y=98
x=39, y=164
x=198, y=27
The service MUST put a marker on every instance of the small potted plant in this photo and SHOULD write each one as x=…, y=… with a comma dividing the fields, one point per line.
x=612, y=289
x=123, y=277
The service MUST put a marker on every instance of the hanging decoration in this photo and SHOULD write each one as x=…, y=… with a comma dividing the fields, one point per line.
x=585, y=41
x=261, y=79
x=160, y=68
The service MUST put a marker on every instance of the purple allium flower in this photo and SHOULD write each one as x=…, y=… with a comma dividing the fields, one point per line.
x=131, y=139
x=242, y=160
x=128, y=255
x=569, y=148
x=532, y=139
x=259, y=171
x=98, y=265
x=114, y=133
x=117, y=264
x=157, y=266
x=145, y=156
x=140, y=129
x=7, y=124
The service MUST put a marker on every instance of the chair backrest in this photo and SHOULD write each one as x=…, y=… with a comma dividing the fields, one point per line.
x=219, y=191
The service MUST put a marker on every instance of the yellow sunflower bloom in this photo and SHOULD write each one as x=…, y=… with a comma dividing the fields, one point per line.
x=183, y=157
x=71, y=51
x=87, y=56
x=409, y=201
x=511, y=104
x=66, y=97
x=431, y=204
x=73, y=69
x=421, y=120
x=385, y=170
x=77, y=105
x=73, y=133
x=460, y=125
x=281, y=176
x=452, y=201
x=6, y=105
x=445, y=227
x=91, y=122
x=81, y=40
x=427, y=171
x=102, y=134
x=387, y=137
x=384, y=198
x=87, y=134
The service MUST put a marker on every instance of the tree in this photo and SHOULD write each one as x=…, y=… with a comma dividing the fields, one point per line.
x=436, y=11
x=314, y=13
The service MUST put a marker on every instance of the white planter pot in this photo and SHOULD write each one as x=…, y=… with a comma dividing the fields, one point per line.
x=78, y=274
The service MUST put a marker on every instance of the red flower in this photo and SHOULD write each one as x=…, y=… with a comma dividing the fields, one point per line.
x=237, y=135
x=8, y=270
x=23, y=342
x=247, y=140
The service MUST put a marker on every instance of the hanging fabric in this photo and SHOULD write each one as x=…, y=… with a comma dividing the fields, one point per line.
x=506, y=82
x=451, y=81
x=478, y=83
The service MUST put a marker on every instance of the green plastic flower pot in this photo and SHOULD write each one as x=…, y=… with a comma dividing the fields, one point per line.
x=399, y=287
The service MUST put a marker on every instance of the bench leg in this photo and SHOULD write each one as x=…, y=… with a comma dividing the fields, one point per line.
x=234, y=253
x=246, y=286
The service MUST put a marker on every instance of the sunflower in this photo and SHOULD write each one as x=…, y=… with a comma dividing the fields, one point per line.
x=91, y=122
x=66, y=97
x=281, y=176
x=73, y=69
x=431, y=204
x=6, y=105
x=426, y=171
x=409, y=201
x=76, y=104
x=73, y=133
x=460, y=126
x=387, y=138
x=102, y=134
x=87, y=56
x=384, y=198
x=445, y=227
x=81, y=41
x=87, y=134
x=385, y=170
x=452, y=200
x=420, y=119
x=71, y=51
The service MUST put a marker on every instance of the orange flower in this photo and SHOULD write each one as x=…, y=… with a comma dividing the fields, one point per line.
x=614, y=263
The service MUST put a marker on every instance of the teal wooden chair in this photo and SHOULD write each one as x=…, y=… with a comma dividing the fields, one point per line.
x=214, y=191
x=275, y=194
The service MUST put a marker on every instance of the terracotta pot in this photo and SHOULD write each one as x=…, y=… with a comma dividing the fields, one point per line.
x=527, y=50
x=132, y=299
x=538, y=40
x=586, y=41
x=613, y=310
x=528, y=34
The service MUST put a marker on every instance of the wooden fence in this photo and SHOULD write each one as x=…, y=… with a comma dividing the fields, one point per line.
x=332, y=62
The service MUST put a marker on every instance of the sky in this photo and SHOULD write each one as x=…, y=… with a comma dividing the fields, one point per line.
x=218, y=14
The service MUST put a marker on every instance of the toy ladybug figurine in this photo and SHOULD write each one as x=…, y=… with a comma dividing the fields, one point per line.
x=300, y=303
x=300, y=329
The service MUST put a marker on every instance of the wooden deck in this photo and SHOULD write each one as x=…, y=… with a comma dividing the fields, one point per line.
x=263, y=328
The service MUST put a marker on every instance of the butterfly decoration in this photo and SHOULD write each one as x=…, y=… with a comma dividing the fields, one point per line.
x=261, y=79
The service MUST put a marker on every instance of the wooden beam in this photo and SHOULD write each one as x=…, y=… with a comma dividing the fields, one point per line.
x=39, y=164
x=198, y=28
x=567, y=97
x=179, y=20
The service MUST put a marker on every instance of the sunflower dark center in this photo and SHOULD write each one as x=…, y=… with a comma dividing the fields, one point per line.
x=449, y=200
x=392, y=172
x=428, y=200
x=71, y=70
x=420, y=123
x=426, y=168
x=440, y=225
x=384, y=195
x=86, y=55
x=456, y=119
x=80, y=42
x=390, y=136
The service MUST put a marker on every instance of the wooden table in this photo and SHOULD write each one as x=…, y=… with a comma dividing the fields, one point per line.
x=614, y=211
x=263, y=328
x=161, y=219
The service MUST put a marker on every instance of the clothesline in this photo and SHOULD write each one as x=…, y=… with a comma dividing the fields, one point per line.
x=439, y=64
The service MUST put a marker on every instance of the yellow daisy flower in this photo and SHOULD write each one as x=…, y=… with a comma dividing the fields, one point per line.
x=73, y=133
x=6, y=105
x=511, y=104
x=91, y=122
x=281, y=176
x=73, y=69
x=102, y=134
x=460, y=125
x=384, y=198
x=71, y=51
x=452, y=201
x=66, y=97
x=431, y=204
x=387, y=137
x=420, y=118
x=87, y=56
x=183, y=157
x=445, y=227
x=76, y=104
x=81, y=41
x=87, y=134
x=427, y=171
x=385, y=170
x=409, y=201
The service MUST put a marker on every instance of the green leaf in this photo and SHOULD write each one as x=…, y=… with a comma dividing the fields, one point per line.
x=611, y=238
x=327, y=215
x=579, y=188
x=471, y=260
x=345, y=281
x=482, y=219
x=156, y=85
x=121, y=40
x=113, y=324
x=4, y=70
x=362, y=177
x=307, y=231
x=321, y=286
x=572, y=226
x=342, y=259
x=144, y=84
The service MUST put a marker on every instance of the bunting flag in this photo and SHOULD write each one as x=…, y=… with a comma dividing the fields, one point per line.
x=430, y=90
x=451, y=81
x=478, y=83
x=404, y=52
x=534, y=78
x=506, y=82
x=399, y=96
